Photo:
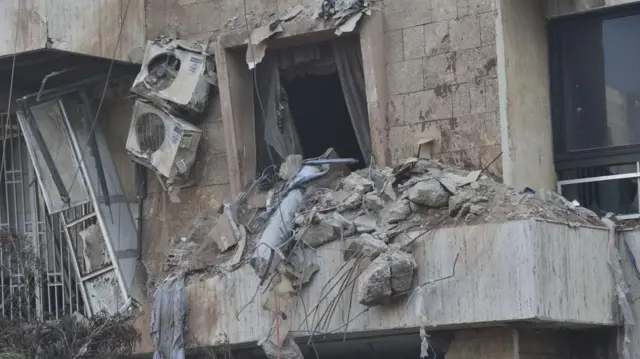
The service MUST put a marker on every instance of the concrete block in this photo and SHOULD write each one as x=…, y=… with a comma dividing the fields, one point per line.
x=478, y=96
x=461, y=100
x=393, y=46
x=439, y=70
x=465, y=32
x=477, y=62
x=427, y=105
x=395, y=110
x=401, y=14
x=436, y=38
x=405, y=76
x=480, y=6
x=488, y=28
x=443, y=10
x=413, y=42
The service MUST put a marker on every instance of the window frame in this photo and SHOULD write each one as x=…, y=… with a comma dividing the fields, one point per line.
x=560, y=106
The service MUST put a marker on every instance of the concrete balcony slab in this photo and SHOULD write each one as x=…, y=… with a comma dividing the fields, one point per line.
x=532, y=271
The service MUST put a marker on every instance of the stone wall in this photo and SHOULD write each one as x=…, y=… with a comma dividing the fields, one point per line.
x=441, y=78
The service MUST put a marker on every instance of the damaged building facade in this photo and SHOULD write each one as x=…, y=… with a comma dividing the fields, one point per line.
x=328, y=177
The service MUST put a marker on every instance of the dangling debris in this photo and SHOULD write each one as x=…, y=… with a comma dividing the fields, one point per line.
x=169, y=319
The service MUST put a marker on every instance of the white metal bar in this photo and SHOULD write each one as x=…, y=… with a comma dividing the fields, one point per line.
x=599, y=179
x=92, y=193
x=76, y=268
x=81, y=219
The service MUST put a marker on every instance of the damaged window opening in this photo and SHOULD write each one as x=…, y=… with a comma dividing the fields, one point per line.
x=595, y=84
x=310, y=98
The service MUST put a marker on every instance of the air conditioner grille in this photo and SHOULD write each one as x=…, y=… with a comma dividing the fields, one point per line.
x=150, y=132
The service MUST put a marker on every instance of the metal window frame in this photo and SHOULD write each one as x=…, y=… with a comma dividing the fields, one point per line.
x=56, y=95
x=563, y=158
x=631, y=175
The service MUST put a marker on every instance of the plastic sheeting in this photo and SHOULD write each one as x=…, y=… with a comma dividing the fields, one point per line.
x=341, y=55
x=169, y=319
x=279, y=128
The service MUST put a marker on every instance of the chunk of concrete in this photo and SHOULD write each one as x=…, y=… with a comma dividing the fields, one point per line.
x=365, y=224
x=396, y=212
x=373, y=202
x=374, y=284
x=403, y=269
x=341, y=224
x=356, y=183
x=317, y=234
x=457, y=201
x=365, y=245
x=429, y=193
x=290, y=167
x=223, y=233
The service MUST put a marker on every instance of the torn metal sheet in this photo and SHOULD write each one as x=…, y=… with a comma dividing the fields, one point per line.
x=350, y=24
x=257, y=46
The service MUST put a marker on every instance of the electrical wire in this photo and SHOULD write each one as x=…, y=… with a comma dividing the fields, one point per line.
x=104, y=92
x=13, y=72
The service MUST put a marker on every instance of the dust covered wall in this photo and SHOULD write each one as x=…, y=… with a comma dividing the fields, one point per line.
x=440, y=64
x=164, y=222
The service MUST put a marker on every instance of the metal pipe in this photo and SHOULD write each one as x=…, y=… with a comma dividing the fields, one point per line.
x=46, y=78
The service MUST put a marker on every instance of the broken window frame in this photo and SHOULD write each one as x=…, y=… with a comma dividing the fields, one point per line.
x=561, y=101
x=124, y=288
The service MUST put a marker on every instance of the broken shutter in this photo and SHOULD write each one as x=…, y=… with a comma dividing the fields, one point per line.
x=74, y=166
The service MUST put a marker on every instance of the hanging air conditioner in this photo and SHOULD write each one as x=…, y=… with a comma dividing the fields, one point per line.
x=175, y=77
x=161, y=141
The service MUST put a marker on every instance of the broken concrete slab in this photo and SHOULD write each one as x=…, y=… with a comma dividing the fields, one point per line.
x=356, y=183
x=429, y=193
x=365, y=224
x=318, y=234
x=374, y=284
x=373, y=202
x=395, y=212
x=290, y=167
x=257, y=46
x=223, y=233
x=365, y=245
x=403, y=268
x=341, y=224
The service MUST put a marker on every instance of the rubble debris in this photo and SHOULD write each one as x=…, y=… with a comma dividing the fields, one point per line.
x=373, y=202
x=225, y=233
x=290, y=167
x=365, y=224
x=288, y=350
x=429, y=193
x=356, y=183
x=318, y=234
x=396, y=212
x=341, y=225
x=374, y=284
x=257, y=46
x=390, y=274
x=365, y=245
x=345, y=13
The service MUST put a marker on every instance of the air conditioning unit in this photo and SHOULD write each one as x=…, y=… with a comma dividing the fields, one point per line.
x=161, y=141
x=175, y=77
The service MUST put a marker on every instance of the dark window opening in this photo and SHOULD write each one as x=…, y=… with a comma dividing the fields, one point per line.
x=595, y=94
x=321, y=116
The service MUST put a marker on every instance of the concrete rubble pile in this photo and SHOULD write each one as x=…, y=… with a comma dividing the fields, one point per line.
x=376, y=213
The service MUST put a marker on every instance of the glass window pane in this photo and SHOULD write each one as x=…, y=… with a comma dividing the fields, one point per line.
x=601, y=75
x=50, y=123
x=619, y=196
